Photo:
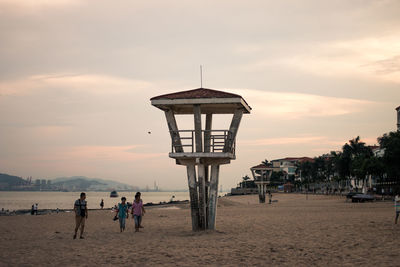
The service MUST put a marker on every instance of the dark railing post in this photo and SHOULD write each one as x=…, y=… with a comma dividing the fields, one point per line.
x=192, y=141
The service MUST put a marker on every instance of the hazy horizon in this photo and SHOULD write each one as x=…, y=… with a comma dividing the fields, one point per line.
x=76, y=78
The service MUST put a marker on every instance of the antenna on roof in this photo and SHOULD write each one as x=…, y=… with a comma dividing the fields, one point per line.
x=201, y=76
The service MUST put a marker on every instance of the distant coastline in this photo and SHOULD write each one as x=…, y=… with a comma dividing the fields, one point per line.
x=71, y=184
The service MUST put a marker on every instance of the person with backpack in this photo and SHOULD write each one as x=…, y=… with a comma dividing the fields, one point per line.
x=81, y=214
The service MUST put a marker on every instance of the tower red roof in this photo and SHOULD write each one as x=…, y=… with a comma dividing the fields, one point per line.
x=197, y=93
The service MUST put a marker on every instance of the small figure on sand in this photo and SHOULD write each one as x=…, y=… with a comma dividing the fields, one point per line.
x=35, y=208
x=81, y=214
x=122, y=213
x=397, y=205
x=138, y=211
x=269, y=197
x=102, y=204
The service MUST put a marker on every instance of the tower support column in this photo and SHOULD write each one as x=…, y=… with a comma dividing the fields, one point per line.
x=194, y=202
x=213, y=197
x=202, y=196
x=261, y=192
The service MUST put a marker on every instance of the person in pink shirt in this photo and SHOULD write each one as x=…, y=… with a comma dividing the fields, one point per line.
x=137, y=211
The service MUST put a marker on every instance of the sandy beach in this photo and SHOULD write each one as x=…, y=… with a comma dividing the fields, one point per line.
x=323, y=230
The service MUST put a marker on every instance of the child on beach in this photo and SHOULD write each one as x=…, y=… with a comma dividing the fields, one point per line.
x=122, y=213
x=137, y=211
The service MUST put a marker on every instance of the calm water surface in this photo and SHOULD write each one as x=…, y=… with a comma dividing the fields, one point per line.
x=15, y=200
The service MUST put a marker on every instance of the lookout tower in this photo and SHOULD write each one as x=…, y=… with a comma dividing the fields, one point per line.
x=261, y=174
x=202, y=149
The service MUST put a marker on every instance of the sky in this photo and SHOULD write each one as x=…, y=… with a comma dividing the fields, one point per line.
x=76, y=78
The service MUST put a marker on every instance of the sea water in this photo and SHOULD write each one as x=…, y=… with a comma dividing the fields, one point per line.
x=17, y=200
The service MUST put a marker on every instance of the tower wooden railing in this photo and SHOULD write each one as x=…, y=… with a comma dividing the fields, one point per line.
x=214, y=141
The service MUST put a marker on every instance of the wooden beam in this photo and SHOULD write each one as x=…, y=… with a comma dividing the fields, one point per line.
x=185, y=162
x=211, y=161
x=207, y=133
x=173, y=130
x=206, y=189
x=213, y=198
x=194, y=203
x=233, y=129
x=253, y=173
x=188, y=155
x=197, y=128
x=202, y=196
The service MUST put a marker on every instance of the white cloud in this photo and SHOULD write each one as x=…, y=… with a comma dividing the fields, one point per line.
x=373, y=57
x=33, y=5
x=362, y=57
x=89, y=83
x=290, y=106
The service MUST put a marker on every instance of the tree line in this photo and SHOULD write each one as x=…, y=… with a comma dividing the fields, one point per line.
x=356, y=161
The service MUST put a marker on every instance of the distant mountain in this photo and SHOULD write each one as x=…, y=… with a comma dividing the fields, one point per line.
x=10, y=181
x=82, y=183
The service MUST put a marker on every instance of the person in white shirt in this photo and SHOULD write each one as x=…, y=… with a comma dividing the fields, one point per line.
x=35, y=208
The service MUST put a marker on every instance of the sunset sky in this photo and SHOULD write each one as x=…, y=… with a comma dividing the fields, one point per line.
x=76, y=78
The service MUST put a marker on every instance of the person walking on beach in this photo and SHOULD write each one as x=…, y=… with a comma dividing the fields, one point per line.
x=32, y=210
x=81, y=214
x=102, y=204
x=397, y=206
x=138, y=211
x=122, y=213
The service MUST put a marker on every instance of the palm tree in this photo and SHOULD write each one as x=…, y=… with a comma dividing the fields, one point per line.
x=391, y=158
x=245, y=178
x=243, y=184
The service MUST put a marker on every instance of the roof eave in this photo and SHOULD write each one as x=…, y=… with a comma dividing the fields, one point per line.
x=159, y=103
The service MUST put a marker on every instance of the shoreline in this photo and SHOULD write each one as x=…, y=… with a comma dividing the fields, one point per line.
x=50, y=211
x=377, y=198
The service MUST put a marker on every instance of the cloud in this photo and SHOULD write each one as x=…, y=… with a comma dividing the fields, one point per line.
x=36, y=5
x=89, y=83
x=97, y=154
x=370, y=58
x=108, y=153
x=292, y=106
x=278, y=141
x=388, y=68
